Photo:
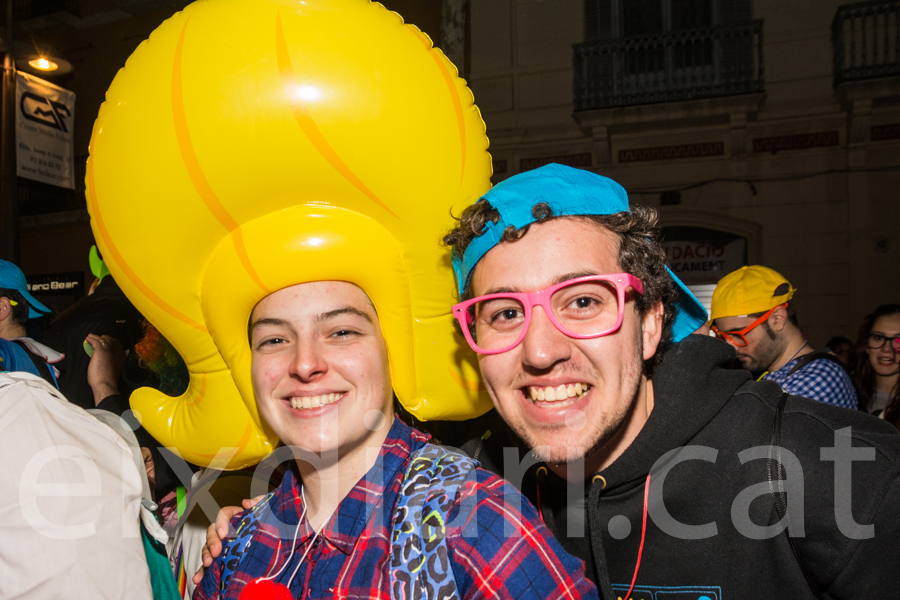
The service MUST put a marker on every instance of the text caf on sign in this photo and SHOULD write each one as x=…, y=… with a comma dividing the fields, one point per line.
x=703, y=262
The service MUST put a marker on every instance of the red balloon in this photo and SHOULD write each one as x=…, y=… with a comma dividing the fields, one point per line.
x=263, y=589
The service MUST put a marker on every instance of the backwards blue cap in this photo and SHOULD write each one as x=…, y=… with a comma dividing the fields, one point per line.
x=567, y=191
x=12, y=278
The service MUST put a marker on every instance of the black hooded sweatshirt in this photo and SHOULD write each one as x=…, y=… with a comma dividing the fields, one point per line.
x=719, y=413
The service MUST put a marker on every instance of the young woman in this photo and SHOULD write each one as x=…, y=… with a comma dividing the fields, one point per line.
x=876, y=363
x=342, y=524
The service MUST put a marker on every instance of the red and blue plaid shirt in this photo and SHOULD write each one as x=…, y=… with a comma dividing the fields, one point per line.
x=511, y=554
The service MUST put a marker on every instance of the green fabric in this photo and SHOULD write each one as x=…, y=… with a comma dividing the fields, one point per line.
x=181, y=494
x=98, y=267
x=161, y=577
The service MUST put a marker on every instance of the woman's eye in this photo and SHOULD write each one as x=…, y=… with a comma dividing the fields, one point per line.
x=271, y=342
x=344, y=333
x=877, y=338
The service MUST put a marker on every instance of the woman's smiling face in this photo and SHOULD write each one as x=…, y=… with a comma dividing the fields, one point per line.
x=320, y=367
x=885, y=362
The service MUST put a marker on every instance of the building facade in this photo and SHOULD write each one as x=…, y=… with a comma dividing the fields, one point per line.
x=764, y=132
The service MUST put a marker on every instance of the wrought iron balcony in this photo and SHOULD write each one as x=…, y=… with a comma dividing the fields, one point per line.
x=723, y=60
x=866, y=38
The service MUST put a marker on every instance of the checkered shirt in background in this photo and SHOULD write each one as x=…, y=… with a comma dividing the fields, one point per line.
x=821, y=380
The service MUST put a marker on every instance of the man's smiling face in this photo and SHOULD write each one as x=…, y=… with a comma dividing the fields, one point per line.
x=610, y=367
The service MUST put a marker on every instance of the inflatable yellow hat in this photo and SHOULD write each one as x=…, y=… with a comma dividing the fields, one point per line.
x=250, y=145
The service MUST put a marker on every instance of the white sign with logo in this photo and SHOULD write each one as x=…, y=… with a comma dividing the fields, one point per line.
x=701, y=262
x=44, y=118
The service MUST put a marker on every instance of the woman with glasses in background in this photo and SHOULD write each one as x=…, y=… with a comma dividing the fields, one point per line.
x=876, y=363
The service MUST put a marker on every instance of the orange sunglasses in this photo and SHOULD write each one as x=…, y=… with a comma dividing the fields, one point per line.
x=738, y=338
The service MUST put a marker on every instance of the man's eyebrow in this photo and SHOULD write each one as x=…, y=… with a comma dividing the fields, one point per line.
x=501, y=290
x=346, y=310
x=569, y=276
x=560, y=279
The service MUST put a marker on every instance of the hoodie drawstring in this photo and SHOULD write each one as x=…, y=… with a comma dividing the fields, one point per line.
x=637, y=566
x=595, y=531
x=546, y=514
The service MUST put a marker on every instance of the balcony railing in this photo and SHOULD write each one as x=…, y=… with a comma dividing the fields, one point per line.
x=866, y=39
x=723, y=60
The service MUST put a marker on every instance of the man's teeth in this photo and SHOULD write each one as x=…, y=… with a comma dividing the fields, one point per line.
x=560, y=392
x=315, y=401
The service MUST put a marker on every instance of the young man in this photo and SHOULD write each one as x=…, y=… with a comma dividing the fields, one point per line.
x=752, y=311
x=584, y=346
x=341, y=524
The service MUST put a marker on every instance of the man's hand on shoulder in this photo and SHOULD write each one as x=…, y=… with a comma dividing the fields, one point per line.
x=219, y=531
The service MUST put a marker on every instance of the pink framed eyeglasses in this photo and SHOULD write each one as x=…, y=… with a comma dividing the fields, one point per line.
x=582, y=308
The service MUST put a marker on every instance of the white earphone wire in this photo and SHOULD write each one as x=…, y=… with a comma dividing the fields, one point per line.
x=293, y=543
x=309, y=547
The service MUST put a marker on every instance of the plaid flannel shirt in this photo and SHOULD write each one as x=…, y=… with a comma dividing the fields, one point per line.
x=820, y=380
x=511, y=555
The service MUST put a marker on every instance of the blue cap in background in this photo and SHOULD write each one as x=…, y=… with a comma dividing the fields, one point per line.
x=12, y=278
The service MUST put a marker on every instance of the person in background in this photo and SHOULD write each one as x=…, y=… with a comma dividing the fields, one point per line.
x=106, y=312
x=40, y=557
x=841, y=347
x=18, y=352
x=82, y=539
x=752, y=311
x=876, y=363
x=103, y=375
x=159, y=365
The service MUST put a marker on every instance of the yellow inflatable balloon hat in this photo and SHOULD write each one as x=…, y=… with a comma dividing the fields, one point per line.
x=251, y=145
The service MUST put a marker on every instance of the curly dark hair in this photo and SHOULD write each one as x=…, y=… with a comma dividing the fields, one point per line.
x=640, y=253
x=861, y=367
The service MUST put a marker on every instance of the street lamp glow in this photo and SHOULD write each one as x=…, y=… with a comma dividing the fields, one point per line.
x=42, y=64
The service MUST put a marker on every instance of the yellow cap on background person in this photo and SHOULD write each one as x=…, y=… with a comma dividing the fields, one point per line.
x=749, y=290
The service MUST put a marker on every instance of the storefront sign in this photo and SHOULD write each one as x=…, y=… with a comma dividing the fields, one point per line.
x=701, y=262
x=57, y=290
x=44, y=123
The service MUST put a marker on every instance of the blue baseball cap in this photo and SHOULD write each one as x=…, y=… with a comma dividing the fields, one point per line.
x=567, y=191
x=12, y=278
